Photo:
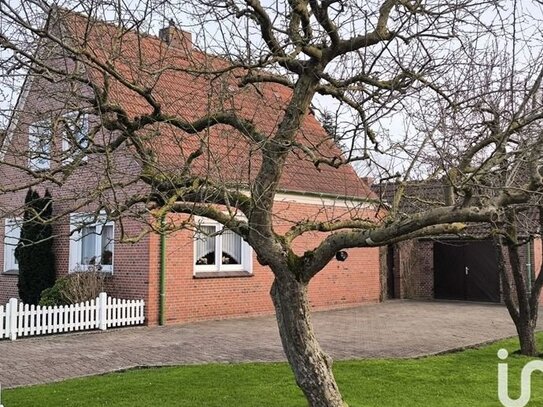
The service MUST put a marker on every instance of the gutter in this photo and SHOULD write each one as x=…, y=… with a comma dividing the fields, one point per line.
x=319, y=195
x=324, y=195
x=529, y=265
x=162, y=267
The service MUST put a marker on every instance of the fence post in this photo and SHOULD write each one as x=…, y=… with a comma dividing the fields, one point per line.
x=12, y=307
x=102, y=311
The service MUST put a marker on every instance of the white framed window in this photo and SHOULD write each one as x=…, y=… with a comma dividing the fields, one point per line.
x=39, y=145
x=12, y=234
x=217, y=248
x=75, y=133
x=92, y=243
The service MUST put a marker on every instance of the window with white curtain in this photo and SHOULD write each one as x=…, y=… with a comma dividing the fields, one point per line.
x=12, y=234
x=217, y=248
x=91, y=243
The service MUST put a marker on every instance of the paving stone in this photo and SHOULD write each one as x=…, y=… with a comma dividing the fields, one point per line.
x=390, y=329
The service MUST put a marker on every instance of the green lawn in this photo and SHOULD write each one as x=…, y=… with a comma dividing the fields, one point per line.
x=461, y=379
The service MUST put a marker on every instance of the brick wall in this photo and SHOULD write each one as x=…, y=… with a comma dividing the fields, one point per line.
x=8, y=287
x=79, y=192
x=423, y=275
x=413, y=269
x=340, y=284
x=130, y=276
x=136, y=271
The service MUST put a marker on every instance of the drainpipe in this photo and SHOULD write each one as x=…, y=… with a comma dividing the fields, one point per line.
x=162, y=296
x=529, y=265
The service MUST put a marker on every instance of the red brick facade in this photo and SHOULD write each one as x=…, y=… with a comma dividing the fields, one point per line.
x=189, y=298
x=412, y=267
x=130, y=278
x=8, y=286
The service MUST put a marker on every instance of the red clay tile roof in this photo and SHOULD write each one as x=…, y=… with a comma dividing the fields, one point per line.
x=182, y=87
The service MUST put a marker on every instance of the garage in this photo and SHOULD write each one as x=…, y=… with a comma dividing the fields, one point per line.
x=466, y=270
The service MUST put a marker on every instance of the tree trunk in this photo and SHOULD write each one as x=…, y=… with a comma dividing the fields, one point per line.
x=311, y=366
x=521, y=303
x=526, y=335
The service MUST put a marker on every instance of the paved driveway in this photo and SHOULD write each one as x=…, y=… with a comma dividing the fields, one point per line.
x=391, y=329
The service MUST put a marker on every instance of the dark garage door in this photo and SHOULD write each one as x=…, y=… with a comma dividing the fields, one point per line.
x=466, y=270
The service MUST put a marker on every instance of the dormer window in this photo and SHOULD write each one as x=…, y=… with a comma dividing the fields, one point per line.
x=39, y=145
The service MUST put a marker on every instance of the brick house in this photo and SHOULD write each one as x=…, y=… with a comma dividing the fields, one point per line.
x=447, y=267
x=204, y=276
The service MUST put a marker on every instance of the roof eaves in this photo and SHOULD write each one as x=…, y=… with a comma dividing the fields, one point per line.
x=326, y=195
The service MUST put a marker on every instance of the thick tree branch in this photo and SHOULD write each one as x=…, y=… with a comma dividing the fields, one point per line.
x=397, y=230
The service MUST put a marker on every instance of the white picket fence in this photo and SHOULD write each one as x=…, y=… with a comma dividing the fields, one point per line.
x=18, y=319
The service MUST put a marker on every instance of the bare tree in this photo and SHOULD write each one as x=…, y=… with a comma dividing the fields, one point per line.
x=499, y=152
x=380, y=62
x=521, y=293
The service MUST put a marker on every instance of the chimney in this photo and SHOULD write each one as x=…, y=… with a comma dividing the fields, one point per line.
x=175, y=37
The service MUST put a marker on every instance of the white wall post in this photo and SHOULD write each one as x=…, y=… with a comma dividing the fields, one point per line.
x=102, y=311
x=12, y=324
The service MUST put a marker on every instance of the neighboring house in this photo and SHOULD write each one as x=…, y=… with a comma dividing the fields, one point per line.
x=447, y=267
x=205, y=276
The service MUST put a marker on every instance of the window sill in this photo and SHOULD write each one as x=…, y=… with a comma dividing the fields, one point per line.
x=82, y=161
x=38, y=170
x=105, y=274
x=11, y=273
x=221, y=274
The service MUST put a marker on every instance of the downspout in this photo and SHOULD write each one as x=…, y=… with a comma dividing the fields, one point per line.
x=529, y=265
x=162, y=296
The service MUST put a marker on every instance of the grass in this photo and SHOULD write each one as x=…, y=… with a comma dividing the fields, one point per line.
x=467, y=378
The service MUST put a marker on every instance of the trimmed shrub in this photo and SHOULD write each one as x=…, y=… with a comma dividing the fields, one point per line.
x=74, y=288
x=34, y=251
x=54, y=295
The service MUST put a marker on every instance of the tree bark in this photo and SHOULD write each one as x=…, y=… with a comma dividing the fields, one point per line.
x=311, y=366
x=526, y=335
x=524, y=308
